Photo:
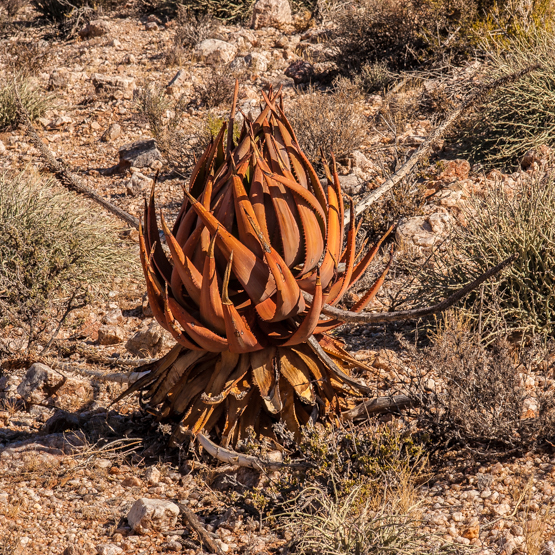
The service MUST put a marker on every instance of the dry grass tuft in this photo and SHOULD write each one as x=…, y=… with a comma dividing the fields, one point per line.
x=36, y=102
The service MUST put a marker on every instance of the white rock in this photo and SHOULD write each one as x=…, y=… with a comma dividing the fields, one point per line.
x=2, y=147
x=152, y=476
x=271, y=13
x=148, y=341
x=96, y=28
x=360, y=161
x=215, y=51
x=113, y=317
x=138, y=184
x=110, y=335
x=257, y=61
x=422, y=231
x=108, y=549
x=152, y=515
x=151, y=26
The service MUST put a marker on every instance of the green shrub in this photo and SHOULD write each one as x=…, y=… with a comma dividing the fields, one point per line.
x=520, y=300
x=53, y=247
x=32, y=97
x=521, y=115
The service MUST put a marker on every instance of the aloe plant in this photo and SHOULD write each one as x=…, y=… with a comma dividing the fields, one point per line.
x=256, y=251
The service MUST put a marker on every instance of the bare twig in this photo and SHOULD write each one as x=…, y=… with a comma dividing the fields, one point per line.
x=238, y=459
x=401, y=315
x=63, y=174
x=438, y=132
x=115, y=377
x=377, y=405
x=204, y=535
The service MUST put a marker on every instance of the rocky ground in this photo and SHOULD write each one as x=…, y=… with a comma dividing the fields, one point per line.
x=79, y=476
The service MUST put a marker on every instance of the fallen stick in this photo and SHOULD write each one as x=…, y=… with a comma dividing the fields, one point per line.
x=436, y=134
x=238, y=459
x=204, y=535
x=115, y=377
x=377, y=405
x=367, y=318
x=63, y=174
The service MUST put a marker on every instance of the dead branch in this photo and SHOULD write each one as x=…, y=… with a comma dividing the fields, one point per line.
x=377, y=405
x=401, y=315
x=63, y=174
x=238, y=459
x=436, y=134
x=332, y=367
x=115, y=377
x=204, y=535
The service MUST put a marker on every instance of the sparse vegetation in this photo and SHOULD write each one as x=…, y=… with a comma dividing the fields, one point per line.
x=59, y=11
x=12, y=7
x=329, y=122
x=521, y=115
x=53, y=252
x=217, y=90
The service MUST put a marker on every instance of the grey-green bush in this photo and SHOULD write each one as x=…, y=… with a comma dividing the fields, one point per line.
x=53, y=246
x=521, y=115
x=504, y=221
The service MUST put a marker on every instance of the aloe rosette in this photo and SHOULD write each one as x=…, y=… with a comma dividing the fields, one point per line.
x=257, y=249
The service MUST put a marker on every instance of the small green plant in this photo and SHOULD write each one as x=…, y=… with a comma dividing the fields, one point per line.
x=54, y=252
x=376, y=77
x=35, y=101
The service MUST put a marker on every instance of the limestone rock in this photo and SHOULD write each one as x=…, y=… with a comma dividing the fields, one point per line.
x=41, y=382
x=271, y=13
x=113, y=317
x=140, y=154
x=455, y=170
x=108, y=549
x=152, y=476
x=138, y=184
x=151, y=26
x=96, y=28
x=2, y=147
x=112, y=82
x=215, y=51
x=147, y=341
x=152, y=515
x=110, y=335
x=112, y=133
x=257, y=61
x=422, y=231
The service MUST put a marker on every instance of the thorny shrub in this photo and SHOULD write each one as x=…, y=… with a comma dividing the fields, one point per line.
x=27, y=58
x=472, y=395
x=217, y=89
x=58, y=11
x=329, y=122
x=54, y=252
x=504, y=221
x=35, y=101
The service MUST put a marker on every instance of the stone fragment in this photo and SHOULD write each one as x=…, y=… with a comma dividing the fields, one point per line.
x=110, y=335
x=149, y=341
x=108, y=549
x=257, y=61
x=75, y=550
x=300, y=71
x=455, y=170
x=113, y=317
x=177, y=80
x=271, y=13
x=8, y=386
x=112, y=133
x=152, y=515
x=422, y=231
x=140, y=154
x=215, y=51
x=360, y=161
x=151, y=26
x=96, y=28
x=41, y=382
x=115, y=43
x=129, y=59
x=112, y=82
x=131, y=482
x=138, y=184
x=59, y=79
x=152, y=476
x=2, y=147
